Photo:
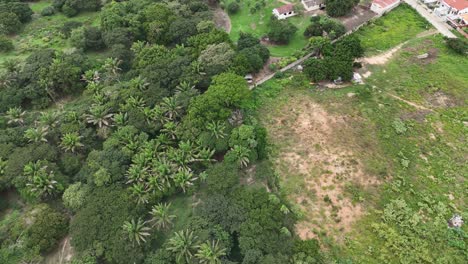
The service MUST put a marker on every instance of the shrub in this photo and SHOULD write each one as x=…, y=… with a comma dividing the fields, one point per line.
x=75, y=196
x=281, y=31
x=9, y=23
x=233, y=8
x=68, y=27
x=5, y=44
x=48, y=227
x=458, y=45
x=48, y=11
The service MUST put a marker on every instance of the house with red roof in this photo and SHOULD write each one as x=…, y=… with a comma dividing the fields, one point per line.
x=284, y=12
x=383, y=6
x=452, y=9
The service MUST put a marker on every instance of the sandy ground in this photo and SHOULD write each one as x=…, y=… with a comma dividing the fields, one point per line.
x=321, y=164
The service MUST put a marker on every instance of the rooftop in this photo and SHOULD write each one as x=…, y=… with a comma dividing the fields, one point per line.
x=285, y=9
x=385, y=3
x=457, y=4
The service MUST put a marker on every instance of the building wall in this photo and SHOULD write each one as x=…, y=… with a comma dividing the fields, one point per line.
x=282, y=16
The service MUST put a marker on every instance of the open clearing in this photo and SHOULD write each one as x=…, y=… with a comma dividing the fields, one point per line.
x=319, y=161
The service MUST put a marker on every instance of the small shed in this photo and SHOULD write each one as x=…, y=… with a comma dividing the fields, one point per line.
x=284, y=12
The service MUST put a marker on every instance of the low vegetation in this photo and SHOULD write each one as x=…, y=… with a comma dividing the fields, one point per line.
x=396, y=27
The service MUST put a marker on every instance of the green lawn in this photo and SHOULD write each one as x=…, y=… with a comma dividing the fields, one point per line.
x=257, y=24
x=401, y=24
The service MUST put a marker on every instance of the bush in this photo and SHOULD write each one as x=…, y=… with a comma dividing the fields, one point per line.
x=9, y=23
x=48, y=227
x=68, y=27
x=233, y=8
x=458, y=45
x=281, y=31
x=48, y=11
x=75, y=196
x=5, y=44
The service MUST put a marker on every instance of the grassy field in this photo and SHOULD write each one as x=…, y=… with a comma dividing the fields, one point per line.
x=401, y=24
x=43, y=32
x=257, y=24
x=402, y=171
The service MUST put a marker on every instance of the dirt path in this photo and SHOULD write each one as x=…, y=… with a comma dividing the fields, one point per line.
x=222, y=19
x=417, y=106
x=384, y=57
x=285, y=2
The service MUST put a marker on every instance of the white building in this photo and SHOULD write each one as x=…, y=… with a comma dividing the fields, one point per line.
x=284, y=12
x=383, y=6
x=452, y=9
x=310, y=5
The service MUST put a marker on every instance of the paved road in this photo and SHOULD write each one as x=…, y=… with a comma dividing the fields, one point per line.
x=436, y=21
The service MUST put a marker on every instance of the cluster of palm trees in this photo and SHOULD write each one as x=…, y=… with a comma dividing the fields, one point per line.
x=184, y=244
x=40, y=180
x=156, y=167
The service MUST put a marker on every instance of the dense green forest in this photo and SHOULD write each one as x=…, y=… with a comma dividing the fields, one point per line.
x=128, y=134
x=138, y=155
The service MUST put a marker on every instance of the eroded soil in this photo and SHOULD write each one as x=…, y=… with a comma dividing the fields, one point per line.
x=317, y=164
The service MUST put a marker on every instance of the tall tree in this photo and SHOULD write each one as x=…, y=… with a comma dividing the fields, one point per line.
x=183, y=244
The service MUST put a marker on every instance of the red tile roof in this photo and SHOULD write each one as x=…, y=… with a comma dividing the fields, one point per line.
x=285, y=9
x=457, y=4
x=384, y=3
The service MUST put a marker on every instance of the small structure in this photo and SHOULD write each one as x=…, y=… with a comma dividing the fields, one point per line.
x=455, y=222
x=382, y=6
x=357, y=78
x=451, y=9
x=284, y=12
x=248, y=78
x=311, y=5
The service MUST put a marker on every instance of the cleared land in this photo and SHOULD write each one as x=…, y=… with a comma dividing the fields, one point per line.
x=377, y=170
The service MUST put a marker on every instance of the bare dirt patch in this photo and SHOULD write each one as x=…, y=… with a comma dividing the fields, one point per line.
x=316, y=163
x=222, y=19
x=62, y=254
x=440, y=99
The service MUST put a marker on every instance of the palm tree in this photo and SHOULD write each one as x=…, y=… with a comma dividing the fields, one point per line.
x=216, y=129
x=184, y=178
x=210, y=253
x=39, y=180
x=112, y=68
x=136, y=173
x=136, y=230
x=186, y=87
x=71, y=141
x=140, y=192
x=139, y=83
x=48, y=119
x=160, y=215
x=183, y=244
x=170, y=128
x=15, y=116
x=36, y=134
x=171, y=107
x=99, y=116
x=120, y=119
x=242, y=155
